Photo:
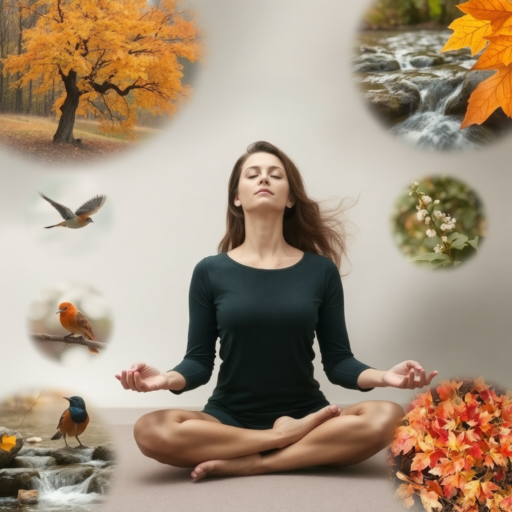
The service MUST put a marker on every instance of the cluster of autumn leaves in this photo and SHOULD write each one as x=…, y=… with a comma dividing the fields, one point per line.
x=455, y=449
x=486, y=24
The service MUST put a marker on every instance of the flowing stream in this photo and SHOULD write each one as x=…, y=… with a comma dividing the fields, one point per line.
x=61, y=488
x=411, y=63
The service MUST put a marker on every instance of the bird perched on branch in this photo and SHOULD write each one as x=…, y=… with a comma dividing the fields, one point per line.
x=73, y=421
x=76, y=322
x=79, y=219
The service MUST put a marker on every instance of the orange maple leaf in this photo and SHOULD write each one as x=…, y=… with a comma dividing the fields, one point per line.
x=7, y=443
x=405, y=440
x=495, y=11
x=430, y=500
x=420, y=461
x=405, y=492
x=467, y=31
x=490, y=94
x=498, y=53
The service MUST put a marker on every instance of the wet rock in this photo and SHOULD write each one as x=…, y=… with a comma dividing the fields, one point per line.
x=373, y=49
x=73, y=475
x=101, y=481
x=375, y=63
x=34, y=440
x=457, y=105
x=35, y=452
x=28, y=497
x=104, y=451
x=14, y=479
x=32, y=462
x=7, y=456
x=65, y=456
x=398, y=99
x=426, y=61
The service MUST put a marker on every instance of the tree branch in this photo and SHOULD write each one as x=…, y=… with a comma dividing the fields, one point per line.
x=76, y=341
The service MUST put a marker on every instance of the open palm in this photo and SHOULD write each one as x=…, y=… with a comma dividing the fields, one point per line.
x=143, y=378
x=403, y=375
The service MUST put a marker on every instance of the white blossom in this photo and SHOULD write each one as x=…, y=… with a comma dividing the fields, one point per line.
x=438, y=248
x=438, y=214
x=421, y=214
x=427, y=220
x=436, y=201
x=444, y=238
x=431, y=233
x=426, y=200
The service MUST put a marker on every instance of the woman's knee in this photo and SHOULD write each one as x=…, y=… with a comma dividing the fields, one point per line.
x=386, y=417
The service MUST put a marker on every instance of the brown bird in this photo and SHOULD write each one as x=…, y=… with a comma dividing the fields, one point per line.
x=81, y=217
x=76, y=322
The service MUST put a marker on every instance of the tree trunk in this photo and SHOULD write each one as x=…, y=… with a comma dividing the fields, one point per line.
x=29, y=102
x=64, y=131
x=18, y=102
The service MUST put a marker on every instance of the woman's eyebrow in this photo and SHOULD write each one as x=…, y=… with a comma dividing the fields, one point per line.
x=258, y=168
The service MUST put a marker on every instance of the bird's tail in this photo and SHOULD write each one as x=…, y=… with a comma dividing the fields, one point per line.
x=57, y=435
x=55, y=225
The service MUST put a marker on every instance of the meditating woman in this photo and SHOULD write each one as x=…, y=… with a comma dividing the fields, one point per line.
x=273, y=285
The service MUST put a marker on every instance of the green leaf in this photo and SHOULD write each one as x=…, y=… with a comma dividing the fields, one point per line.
x=430, y=256
x=459, y=241
x=474, y=242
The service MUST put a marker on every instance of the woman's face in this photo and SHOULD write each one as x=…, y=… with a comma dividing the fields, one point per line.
x=263, y=184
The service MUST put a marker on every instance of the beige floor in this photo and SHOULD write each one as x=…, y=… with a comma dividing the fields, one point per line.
x=143, y=485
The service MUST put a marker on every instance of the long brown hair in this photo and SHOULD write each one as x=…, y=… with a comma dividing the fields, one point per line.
x=305, y=225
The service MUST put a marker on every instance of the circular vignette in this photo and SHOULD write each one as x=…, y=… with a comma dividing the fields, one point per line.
x=412, y=81
x=46, y=322
x=89, y=81
x=438, y=222
x=36, y=466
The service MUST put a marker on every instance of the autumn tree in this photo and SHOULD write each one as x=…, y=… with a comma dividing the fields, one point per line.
x=110, y=57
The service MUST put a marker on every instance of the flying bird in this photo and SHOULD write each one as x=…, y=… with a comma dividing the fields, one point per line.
x=73, y=421
x=76, y=322
x=81, y=217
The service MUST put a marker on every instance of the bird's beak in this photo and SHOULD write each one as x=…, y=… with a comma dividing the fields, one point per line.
x=65, y=397
x=60, y=311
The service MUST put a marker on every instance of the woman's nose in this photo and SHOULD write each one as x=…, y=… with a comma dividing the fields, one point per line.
x=264, y=179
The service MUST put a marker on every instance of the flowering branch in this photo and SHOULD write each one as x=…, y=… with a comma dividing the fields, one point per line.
x=429, y=215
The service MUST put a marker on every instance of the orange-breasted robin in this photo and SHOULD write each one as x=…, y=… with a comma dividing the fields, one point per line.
x=81, y=217
x=73, y=421
x=76, y=322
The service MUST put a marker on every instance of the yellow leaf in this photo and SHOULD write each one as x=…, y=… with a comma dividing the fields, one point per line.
x=8, y=443
x=490, y=94
x=468, y=32
x=495, y=11
x=499, y=51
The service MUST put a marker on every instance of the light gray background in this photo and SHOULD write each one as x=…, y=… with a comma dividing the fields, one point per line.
x=277, y=71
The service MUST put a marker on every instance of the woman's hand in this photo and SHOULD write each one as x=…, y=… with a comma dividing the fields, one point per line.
x=143, y=378
x=403, y=375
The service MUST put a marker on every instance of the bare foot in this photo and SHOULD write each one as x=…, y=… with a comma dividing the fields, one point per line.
x=292, y=430
x=247, y=465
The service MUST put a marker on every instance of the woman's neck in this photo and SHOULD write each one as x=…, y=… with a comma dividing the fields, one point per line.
x=264, y=245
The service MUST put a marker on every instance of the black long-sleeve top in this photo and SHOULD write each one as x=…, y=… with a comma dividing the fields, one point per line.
x=266, y=321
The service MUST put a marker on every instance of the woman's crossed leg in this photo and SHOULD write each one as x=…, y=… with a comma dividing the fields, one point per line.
x=327, y=437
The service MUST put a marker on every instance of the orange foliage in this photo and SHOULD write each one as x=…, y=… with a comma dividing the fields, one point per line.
x=486, y=24
x=457, y=449
x=125, y=53
x=7, y=443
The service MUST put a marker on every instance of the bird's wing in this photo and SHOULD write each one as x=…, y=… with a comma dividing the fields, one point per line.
x=92, y=206
x=61, y=418
x=84, y=323
x=64, y=211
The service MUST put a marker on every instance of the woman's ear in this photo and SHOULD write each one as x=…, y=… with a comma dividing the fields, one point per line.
x=237, y=201
x=290, y=202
